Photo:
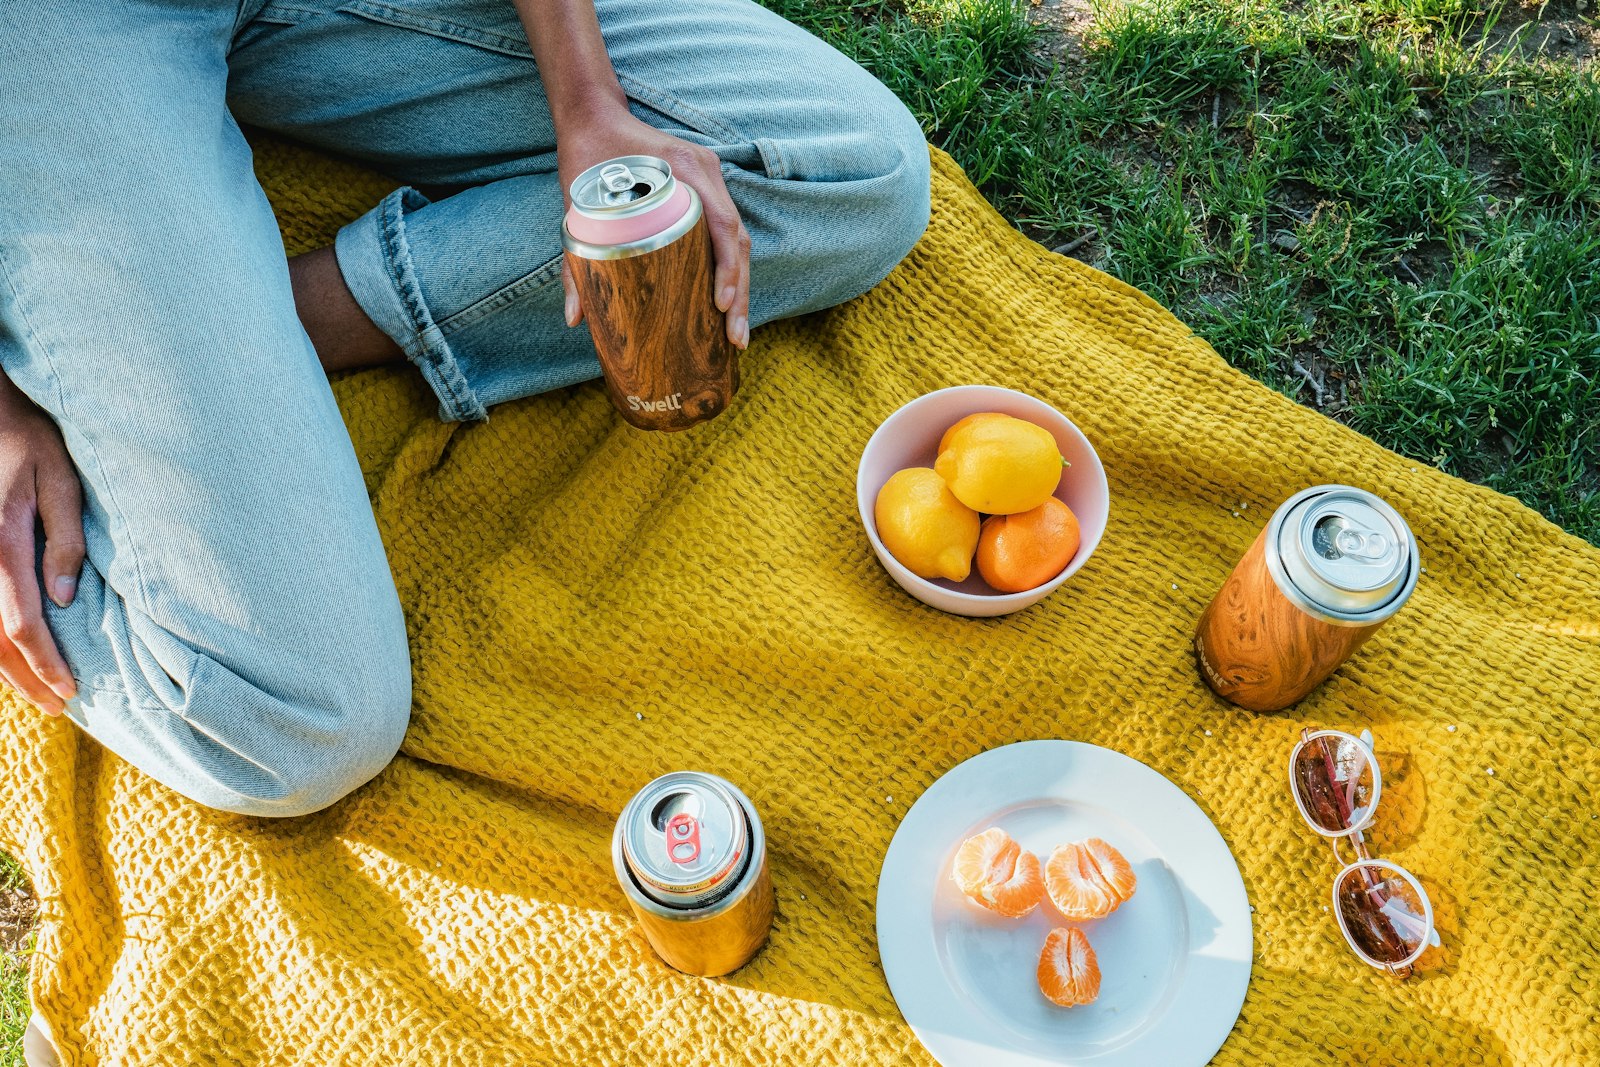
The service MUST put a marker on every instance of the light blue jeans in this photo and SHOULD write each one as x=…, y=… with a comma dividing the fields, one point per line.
x=236, y=632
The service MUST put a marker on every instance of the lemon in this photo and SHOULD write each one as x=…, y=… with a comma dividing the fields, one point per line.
x=924, y=526
x=998, y=464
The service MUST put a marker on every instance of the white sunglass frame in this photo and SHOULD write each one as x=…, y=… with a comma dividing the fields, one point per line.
x=1365, y=741
x=1430, y=937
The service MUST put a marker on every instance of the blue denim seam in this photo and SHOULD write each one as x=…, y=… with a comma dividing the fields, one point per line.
x=427, y=347
x=276, y=11
x=202, y=668
x=771, y=150
x=453, y=31
x=140, y=589
x=538, y=278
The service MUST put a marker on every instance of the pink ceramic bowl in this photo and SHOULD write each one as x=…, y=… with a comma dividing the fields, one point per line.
x=910, y=438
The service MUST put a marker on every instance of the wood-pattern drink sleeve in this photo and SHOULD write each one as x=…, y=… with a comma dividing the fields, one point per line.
x=1257, y=649
x=662, y=342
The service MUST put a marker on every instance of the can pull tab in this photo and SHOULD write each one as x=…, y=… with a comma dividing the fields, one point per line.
x=617, y=177
x=1361, y=543
x=683, y=838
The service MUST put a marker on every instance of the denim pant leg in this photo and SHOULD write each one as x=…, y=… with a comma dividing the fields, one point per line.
x=828, y=170
x=236, y=632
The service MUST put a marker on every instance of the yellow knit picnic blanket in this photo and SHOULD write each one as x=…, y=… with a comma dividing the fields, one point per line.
x=591, y=606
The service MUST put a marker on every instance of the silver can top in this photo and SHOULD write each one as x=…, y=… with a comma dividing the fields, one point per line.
x=618, y=188
x=1345, y=551
x=686, y=838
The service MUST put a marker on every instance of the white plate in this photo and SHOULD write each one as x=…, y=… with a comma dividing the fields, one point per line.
x=1174, y=960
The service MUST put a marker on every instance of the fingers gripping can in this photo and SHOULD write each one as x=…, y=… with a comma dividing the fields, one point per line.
x=691, y=857
x=636, y=241
x=1333, y=564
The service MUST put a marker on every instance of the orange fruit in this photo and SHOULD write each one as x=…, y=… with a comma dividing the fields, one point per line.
x=1019, y=552
x=999, y=464
x=994, y=871
x=1088, y=879
x=1068, y=972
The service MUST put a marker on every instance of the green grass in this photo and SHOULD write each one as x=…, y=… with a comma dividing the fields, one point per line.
x=1378, y=207
x=14, y=1009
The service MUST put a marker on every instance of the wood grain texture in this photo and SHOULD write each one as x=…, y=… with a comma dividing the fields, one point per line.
x=718, y=945
x=1257, y=649
x=663, y=344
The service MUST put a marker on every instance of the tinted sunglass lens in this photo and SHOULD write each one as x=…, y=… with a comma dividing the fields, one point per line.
x=1382, y=913
x=1333, y=781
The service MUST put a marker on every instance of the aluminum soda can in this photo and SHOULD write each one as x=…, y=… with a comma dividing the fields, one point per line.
x=690, y=855
x=1333, y=564
x=640, y=254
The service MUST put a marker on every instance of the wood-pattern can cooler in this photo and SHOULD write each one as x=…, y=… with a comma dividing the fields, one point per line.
x=1333, y=564
x=636, y=242
x=691, y=857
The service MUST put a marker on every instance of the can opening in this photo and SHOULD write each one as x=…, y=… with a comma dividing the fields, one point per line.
x=627, y=195
x=674, y=804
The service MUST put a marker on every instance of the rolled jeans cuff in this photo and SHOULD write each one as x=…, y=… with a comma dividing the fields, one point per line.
x=376, y=263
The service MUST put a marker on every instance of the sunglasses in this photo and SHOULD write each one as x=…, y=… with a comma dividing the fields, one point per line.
x=1382, y=910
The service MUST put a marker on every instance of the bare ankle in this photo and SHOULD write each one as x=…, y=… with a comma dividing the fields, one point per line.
x=344, y=337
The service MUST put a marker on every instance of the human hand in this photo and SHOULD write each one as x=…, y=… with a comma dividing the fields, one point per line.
x=617, y=133
x=36, y=478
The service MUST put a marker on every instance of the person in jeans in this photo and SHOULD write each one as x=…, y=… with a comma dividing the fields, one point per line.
x=189, y=565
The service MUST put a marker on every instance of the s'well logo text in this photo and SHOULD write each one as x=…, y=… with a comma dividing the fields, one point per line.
x=671, y=403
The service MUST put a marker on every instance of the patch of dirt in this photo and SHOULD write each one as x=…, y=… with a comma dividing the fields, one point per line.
x=17, y=910
x=1062, y=24
x=1565, y=32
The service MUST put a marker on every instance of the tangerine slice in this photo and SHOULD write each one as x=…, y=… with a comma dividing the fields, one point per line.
x=1069, y=974
x=1114, y=868
x=994, y=871
x=1019, y=894
x=1088, y=879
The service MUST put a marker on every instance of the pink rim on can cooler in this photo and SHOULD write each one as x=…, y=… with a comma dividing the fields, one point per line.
x=629, y=199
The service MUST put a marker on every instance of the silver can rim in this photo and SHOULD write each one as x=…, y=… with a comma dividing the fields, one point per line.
x=740, y=886
x=585, y=250
x=709, y=885
x=1293, y=593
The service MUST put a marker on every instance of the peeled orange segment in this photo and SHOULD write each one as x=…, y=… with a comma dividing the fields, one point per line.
x=1115, y=870
x=985, y=859
x=1019, y=894
x=1068, y=972
x=992, y=870
x=1088, y=879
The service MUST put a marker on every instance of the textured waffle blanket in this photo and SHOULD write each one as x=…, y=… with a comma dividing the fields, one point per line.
x=591, y=606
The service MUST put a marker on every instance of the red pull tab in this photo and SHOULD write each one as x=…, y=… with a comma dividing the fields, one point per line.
x=683, y=839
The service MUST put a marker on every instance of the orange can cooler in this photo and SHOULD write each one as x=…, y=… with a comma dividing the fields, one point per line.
x=691, y=857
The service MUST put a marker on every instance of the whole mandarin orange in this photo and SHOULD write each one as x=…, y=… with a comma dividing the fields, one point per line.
x=1023, y=551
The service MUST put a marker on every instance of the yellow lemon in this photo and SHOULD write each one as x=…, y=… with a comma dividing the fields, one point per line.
x=998, y=464
x=925, y=527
